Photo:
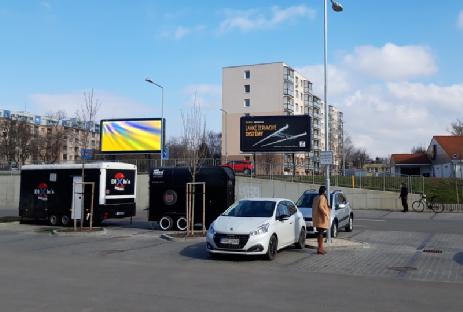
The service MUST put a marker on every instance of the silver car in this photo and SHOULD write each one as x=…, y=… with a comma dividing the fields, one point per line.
x=342, y=216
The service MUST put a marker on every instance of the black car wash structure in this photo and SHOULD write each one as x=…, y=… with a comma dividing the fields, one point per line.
x=167, y=201
x=49, y=192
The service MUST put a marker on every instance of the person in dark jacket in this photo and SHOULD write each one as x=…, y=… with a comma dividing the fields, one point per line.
x=404, y=196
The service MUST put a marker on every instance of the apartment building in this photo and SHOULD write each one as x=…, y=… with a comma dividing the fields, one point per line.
x=71, y=134
x=275, y=89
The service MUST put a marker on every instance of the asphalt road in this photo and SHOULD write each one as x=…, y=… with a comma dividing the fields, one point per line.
x=129, y=268
x=409, y=221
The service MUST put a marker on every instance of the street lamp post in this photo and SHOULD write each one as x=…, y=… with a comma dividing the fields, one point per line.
x=162, y=113
x=225, y=132
x=337, y=7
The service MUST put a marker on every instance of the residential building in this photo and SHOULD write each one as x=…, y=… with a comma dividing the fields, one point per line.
x=275, y=89
x=410, y=164
x=68, y=133
x=375, y=169
x=443, y=159
x=446, y=155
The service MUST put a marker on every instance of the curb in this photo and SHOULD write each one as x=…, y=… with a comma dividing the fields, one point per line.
x=57, y=232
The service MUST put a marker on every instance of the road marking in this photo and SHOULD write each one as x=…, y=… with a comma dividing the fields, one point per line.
x=373, y=220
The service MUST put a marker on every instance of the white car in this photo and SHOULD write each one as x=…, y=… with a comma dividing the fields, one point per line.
x=257, y=226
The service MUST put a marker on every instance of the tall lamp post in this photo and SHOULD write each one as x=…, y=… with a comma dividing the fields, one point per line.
x=226, y=130
x=162, y=113
x=337, y=7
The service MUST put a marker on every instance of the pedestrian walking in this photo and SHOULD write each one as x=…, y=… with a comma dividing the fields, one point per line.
x=404, y=197
x=321, y=217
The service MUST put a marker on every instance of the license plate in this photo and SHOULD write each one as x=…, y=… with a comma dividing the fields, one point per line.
x=120, y=213
x=230, y=241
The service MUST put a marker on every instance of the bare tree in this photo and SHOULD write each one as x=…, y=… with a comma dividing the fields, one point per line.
x=16, y=140
x=347, y=151
x=194, y=125
x=418, y=150
x=86, y=118
x=50, y=144
x=456, y=128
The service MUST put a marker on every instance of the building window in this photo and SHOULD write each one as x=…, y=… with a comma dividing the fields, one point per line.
x=247, y=74
x=247, y=88
x=247, y=102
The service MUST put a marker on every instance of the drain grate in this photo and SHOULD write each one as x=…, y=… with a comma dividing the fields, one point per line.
x=437, y=251
x=402, y=268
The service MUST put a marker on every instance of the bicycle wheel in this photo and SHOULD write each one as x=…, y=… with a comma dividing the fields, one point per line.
x=437, y=208
x=418, y=206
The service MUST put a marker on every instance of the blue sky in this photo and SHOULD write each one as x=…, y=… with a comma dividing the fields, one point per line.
x=394, y=69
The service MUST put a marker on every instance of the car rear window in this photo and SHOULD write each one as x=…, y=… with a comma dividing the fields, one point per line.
x=306, y=200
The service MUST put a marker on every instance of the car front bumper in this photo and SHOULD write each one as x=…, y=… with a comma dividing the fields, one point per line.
x=255, y=245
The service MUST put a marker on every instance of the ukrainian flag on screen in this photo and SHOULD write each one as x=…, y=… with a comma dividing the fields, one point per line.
x=131, y=136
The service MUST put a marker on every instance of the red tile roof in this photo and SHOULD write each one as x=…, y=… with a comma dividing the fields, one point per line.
x=410, y=159
x=452, y=145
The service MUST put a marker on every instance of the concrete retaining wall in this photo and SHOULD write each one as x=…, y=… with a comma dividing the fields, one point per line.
x=245, y=187
x=359, y=198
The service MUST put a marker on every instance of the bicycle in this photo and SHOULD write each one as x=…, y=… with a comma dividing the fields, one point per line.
x=418, y=205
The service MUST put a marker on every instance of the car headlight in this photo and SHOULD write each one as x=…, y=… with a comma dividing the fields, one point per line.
x=260, y=230
x=211, y=230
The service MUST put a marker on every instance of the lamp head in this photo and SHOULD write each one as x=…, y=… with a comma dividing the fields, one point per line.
x=337, y=7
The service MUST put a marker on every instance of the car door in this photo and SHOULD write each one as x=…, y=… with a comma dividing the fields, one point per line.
x=341, y=210
x=294, y=221
x=282, y=224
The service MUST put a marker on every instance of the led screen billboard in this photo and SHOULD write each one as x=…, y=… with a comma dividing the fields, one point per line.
x=263, y=134
x=140, y=135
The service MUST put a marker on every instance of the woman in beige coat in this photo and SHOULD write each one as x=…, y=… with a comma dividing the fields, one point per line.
x=321, y=217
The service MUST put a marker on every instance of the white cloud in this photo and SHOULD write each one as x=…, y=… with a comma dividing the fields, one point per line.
x=254, y=19
x=449, y=98
x=208, y=96
x=112, y=106
x=391, y=115
x=460, y=20
x=392, y=62
x=338, y=79
x=45, y=4
x=181, y=32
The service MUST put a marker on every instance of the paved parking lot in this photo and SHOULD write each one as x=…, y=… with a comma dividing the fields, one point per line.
x=129, y=267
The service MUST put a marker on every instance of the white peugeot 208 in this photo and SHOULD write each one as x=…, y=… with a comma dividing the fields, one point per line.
x=257, y=226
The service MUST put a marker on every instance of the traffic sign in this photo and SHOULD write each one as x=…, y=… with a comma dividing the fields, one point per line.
x=326, y=157
x=165, y=153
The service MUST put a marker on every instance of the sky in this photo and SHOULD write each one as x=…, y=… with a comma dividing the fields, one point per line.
x=394, y=67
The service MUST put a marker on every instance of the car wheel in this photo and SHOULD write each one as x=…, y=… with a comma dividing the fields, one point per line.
x=350, y=225
x=334, y=229
x=53, y=219
x=300, y=244
x=65, y=220
x=247, y=172
x=272, y=248
x=166, y=223
x=181, y=224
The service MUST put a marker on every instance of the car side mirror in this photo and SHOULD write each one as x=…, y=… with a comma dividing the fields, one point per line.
x=283, y=218
x=342, y=206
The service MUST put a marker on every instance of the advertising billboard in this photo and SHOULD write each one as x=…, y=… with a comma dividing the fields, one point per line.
x=263, y=134
x=138, y=135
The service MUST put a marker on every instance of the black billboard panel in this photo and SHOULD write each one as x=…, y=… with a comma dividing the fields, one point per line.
x=260, y=134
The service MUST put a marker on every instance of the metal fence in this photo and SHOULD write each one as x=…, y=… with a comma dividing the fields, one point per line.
x=448, y=191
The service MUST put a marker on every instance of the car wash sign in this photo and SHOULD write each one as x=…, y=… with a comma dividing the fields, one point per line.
x=263, y=134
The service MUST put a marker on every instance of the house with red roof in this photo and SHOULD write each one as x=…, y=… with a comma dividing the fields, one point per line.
x=446, y=155
x=443, y=159
x=411, y=164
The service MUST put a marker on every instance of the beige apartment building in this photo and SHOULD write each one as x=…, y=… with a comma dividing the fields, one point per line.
x=275, y=89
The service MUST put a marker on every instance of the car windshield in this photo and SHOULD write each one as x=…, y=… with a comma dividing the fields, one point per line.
x=306, y=200
x=251, y=208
